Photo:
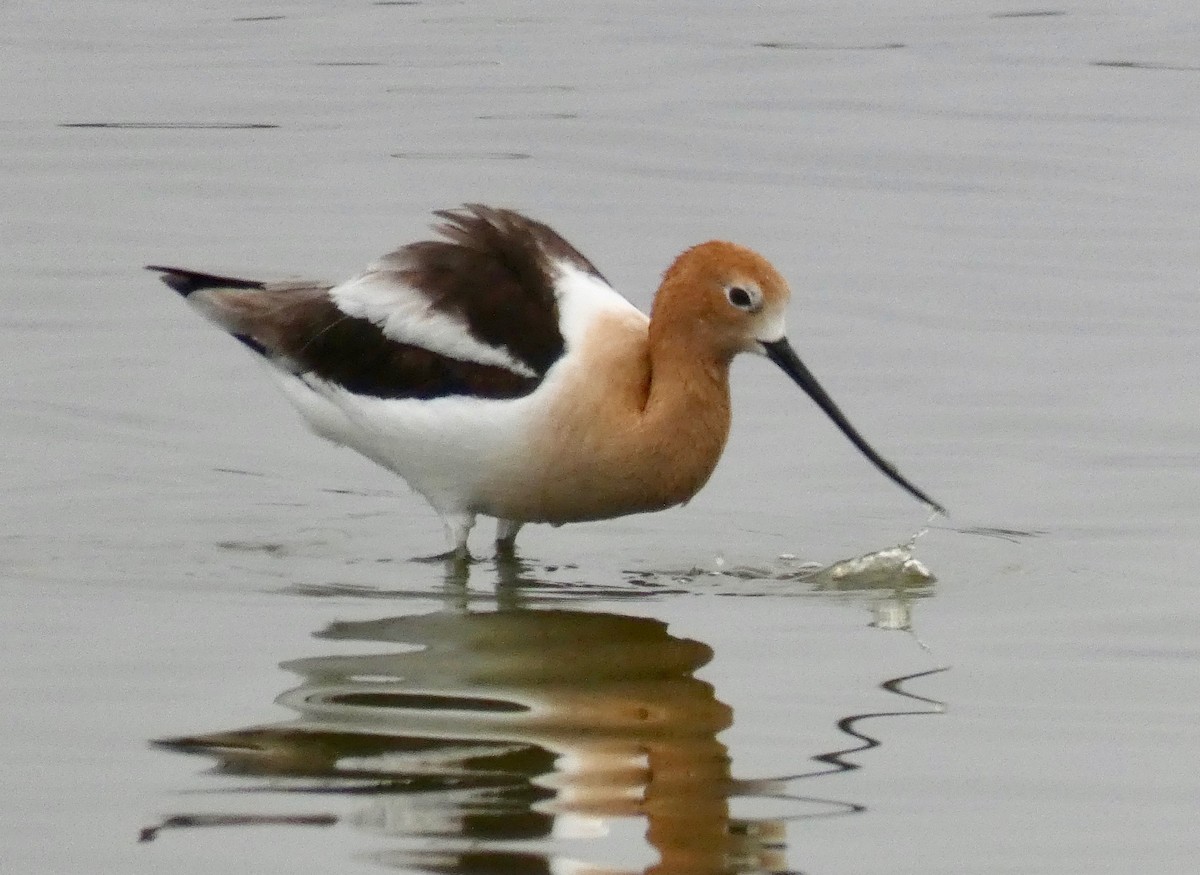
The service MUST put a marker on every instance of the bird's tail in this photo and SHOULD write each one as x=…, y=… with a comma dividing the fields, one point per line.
x=190, y=282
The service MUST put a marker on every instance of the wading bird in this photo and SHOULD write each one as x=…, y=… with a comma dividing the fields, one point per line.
x=498, y=372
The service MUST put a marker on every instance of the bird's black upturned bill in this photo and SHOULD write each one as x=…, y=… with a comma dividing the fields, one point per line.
x=782, y=354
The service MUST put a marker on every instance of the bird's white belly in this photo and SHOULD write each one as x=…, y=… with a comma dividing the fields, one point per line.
x=444, y=448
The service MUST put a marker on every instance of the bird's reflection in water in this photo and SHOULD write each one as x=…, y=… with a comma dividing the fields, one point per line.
x=486, y=724
x=510, y=725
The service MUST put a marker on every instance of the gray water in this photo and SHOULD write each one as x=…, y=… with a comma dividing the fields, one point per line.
x=210, y=620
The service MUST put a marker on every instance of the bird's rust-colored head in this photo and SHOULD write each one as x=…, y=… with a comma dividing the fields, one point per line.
x=726, y=299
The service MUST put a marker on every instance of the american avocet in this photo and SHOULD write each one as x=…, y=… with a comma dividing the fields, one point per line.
x=499, y=373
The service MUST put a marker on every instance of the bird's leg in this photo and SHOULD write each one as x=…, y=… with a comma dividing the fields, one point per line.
x=458, y=528
x=506, y=537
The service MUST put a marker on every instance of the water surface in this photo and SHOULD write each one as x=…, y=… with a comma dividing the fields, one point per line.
x=210, y=621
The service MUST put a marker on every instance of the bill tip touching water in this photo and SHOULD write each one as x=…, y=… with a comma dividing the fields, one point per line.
x=498, y=373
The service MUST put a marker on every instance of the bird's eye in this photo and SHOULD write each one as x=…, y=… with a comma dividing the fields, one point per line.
x=740, y=298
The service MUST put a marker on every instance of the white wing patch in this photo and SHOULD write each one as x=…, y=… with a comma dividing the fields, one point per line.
x=406, y=316
x=582, y=297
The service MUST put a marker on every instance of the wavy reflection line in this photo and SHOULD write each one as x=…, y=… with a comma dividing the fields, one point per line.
x=838, y=759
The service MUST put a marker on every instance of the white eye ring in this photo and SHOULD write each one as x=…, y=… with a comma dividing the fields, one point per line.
x=744, y=298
